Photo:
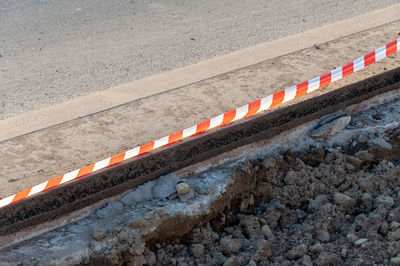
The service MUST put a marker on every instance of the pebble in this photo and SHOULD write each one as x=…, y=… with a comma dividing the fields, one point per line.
x=319, y=201
x=230, y=245
x=353, y=161
x=98, y=233
x=317, y=248
x=365, y=156
x=360, y=241
x=266, y=230
x=352, y=237
x=323, y=236
x=344, y=200
x=323, y=259
x=307, y=260
x=395, y=261
x=263, y=247
x=197, y=250
x=367, y=200
x=182, y=188
x=394, y=226
x=384, y=200
x=380, y=143
x=331, y=128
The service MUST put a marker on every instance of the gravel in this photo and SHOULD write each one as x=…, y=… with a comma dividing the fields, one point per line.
x=319, y=212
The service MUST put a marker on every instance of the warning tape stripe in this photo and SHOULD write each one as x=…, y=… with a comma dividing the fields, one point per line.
x=223, y=119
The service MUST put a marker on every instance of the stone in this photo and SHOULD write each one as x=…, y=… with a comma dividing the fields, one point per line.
x=266, y=230
x=182, y=188
x=165, y=186
x=380, y=144
x=233, y=261
x=394, y=226
x=363, y=138
x=197, y=250
x=296, y=252
x=384, y=200
x=323, y=236
x=323, y=259
x=306, y=261
x=367, y=200
x=290, y=178
x=344, y=200
x=394, y=236
x=351, y=237
x=263, y=248
x=270, y=163
x=331, y=128
x=318, y=202
x=251, y=263
x=354, y=161
x=230, y=245
x=317, y=248
x=394, y=215
x=98, y=233
x=360, y=242
x=365, y=156
x=395, y=261
x=140, y=194
x=150, y=258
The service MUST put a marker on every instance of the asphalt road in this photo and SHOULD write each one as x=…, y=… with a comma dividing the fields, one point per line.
x=52, y=51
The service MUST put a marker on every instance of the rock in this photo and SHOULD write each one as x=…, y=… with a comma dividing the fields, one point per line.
x=251, y=263
x=394, y=226
x=363, y=138
x=384, y=200
x=331, y=128
x=394, y=215
x=140, y=194
x=197, y=250
x=367, y=200
x=316, y=203
x=297, y=252
x=395, y=261
x=394, y=236
x=329, y=118
x=98, y=233
x=323, y=236
x=354, y=161
x=150, y=258
x=233, y=261
x=344, y=200
x=360, y=242
x=323, y=259
x=182, y=188
x=380, y=144
x=317, y=248
x=230, y=245
x=165, y=186
x=290, y=178
x=351, y=237
x=306, y=261
x=365, y=156
x=266, y=230
x=263, y=248
x=270, y=163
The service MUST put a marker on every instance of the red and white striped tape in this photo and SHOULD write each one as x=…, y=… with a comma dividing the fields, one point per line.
x=223, y=119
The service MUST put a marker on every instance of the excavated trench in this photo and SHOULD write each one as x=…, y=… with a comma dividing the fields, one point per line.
x=264, y=192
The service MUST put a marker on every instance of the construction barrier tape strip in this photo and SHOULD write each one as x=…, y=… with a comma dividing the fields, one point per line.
x=226, y=118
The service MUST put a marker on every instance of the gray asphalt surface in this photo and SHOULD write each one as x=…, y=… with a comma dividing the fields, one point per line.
x=52, y=51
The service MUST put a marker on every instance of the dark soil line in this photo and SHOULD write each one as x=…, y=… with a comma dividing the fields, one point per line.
x=115, y=180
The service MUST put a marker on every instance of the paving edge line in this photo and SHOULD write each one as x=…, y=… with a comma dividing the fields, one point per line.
x=244, y=111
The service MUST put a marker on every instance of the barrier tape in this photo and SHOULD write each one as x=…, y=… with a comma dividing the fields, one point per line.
x=223, y=119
